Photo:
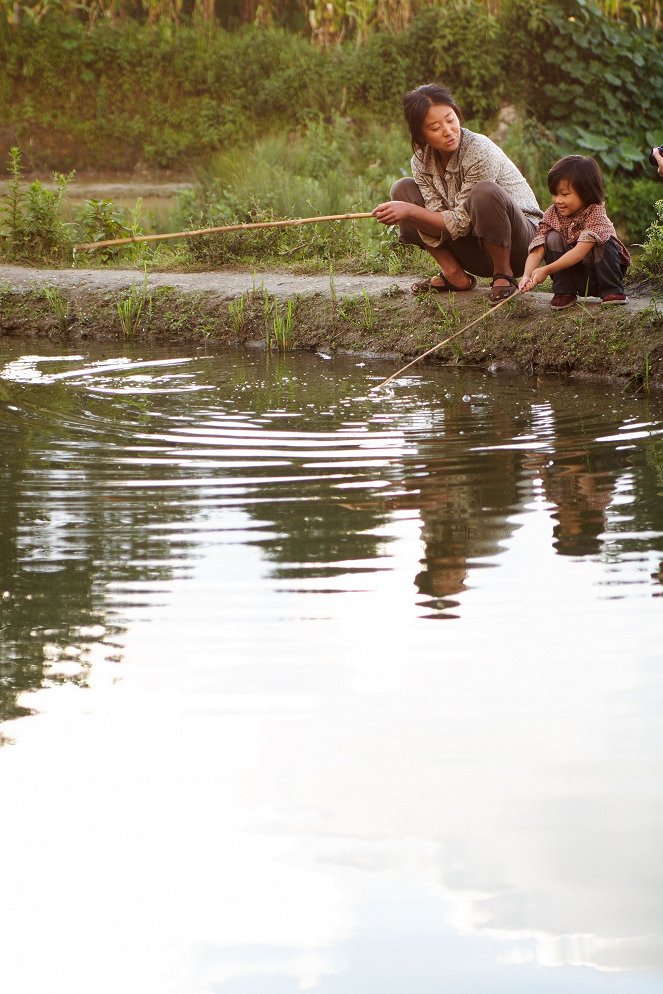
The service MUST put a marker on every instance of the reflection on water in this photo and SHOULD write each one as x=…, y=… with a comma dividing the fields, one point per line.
x=308, y=688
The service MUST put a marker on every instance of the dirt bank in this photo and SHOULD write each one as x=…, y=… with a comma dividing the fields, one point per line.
x=364, y=314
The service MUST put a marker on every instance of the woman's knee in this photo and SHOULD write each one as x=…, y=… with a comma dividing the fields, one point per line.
x=409, y=235
x=483, y=195
x=406, y=189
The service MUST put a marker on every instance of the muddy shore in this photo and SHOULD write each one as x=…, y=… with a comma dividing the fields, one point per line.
x=366, y=314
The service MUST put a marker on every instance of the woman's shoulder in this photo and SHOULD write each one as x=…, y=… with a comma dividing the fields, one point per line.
x=475, y=147
x=476, y=141
x=424, y=164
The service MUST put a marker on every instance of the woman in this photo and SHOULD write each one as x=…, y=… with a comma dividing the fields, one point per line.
x=467, y=203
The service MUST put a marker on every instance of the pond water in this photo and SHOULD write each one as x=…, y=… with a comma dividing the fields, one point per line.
x=309, y=688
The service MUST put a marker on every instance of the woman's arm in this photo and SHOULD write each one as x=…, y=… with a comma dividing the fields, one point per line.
x=659, y=158
x=397, y=211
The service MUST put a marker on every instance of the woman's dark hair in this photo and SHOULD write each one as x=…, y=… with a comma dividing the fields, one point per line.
x=416, y=105
x=583, y=174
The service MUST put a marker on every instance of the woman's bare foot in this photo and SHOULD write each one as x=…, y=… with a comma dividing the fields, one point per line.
x=461, y=280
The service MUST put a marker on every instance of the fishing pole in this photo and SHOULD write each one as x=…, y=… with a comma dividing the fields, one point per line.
x=91, y=246
x=444, y=342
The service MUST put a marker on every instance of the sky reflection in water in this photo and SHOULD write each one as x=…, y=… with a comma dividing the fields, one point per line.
x=325, y=691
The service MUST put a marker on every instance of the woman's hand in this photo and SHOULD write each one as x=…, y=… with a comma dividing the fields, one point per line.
x=659, y=158
x=392, y=212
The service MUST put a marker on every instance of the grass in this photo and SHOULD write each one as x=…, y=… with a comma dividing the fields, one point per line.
x=131, y=307
x=323, y=168
x=61, y=308
x=369, y=317
x=267, y=314
x=236, y=309
x=282, y=325
x=332, y=289
x=449, y=315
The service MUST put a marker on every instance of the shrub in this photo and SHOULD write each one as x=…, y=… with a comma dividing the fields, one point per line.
x=589, y=79
x=650, y=261
x=630, y=204
x=31, y=225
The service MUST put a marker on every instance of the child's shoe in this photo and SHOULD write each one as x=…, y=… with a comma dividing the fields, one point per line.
x=562, y=300
x=614, y=298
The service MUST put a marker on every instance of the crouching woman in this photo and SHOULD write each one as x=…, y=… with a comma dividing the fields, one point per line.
x=466, y=203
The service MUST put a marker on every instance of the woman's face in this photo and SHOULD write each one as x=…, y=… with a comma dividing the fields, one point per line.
x=441, y=128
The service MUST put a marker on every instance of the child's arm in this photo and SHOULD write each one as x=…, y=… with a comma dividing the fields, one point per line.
x=536, y=274
x=531, y=264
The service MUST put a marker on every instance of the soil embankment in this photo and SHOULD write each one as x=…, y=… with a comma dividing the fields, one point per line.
x=365, y=314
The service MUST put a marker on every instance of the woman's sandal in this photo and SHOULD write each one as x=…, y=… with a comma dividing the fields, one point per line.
x=498, y=293
x=425, y=286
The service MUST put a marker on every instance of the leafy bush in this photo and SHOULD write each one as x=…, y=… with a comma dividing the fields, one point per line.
x=630, y=204
x=31, y=225
x=534, y=151
x=326, y=167
x=592, y=81
x=102, y=220
x=315, y=245
x=650, y=261
x=69, y=94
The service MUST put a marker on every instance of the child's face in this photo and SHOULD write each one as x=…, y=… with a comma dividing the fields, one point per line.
x=566, y=200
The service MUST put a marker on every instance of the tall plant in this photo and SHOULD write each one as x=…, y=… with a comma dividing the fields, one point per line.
x=593, y=82
x=31, y=225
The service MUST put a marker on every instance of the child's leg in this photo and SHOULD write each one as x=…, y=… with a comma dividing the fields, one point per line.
x=606, y=269
x=571, y=281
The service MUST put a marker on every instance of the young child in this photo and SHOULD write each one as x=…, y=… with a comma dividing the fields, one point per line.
x=577, y=239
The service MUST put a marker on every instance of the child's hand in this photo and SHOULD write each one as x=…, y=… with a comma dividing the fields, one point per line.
x=535, y=278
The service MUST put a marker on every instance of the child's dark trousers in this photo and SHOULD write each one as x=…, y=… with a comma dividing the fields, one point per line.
x=600, y=273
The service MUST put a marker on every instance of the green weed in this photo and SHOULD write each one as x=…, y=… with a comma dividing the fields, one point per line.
x=31, y=225
x=332, y=289
x=645, y=381
x=650, y=260
x=267, y=314
x=236, y=309
x=60, y=307
x=282, y=326
x=369, y=317
x=131, y=308
x=449, y=315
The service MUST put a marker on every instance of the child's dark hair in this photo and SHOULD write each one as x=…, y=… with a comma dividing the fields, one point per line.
x=416, y=104
x=583, y=174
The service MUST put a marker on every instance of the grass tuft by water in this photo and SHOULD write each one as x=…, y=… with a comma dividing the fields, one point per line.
x=236, y=309
x=61, y=308
x=131, y=307
x=282, y=325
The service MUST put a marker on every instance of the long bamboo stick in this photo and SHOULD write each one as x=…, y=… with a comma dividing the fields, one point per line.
x=91, y=246
x=445, y=341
